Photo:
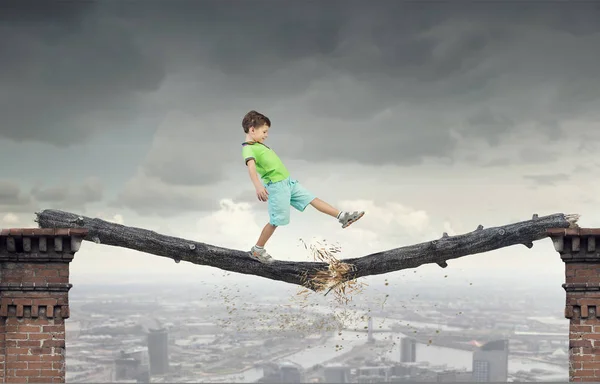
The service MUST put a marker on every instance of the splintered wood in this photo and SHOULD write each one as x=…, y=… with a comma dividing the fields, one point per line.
x=336, y=278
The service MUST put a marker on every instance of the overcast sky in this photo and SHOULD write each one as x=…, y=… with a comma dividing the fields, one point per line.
x=430, y=116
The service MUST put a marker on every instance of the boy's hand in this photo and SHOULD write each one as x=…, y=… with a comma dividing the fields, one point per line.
x=262, y=193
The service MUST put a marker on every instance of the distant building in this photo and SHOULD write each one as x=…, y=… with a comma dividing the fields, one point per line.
x=283, y=372
x=291, y=373
x=375, y=374
x=158, y=351
x=126, y=368
x=131, y=365
x=408, y=350
x=454, y=377
x=336, y=373
x=490, y=362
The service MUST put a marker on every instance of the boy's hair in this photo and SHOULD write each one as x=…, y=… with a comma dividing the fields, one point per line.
x=254, y=119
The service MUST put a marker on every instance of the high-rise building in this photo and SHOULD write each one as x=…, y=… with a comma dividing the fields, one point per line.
x=370, y=338
x=490, y=362
x=408, y=350
x=158, y=351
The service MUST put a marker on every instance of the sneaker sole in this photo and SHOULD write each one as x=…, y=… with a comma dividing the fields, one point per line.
x=353, y=221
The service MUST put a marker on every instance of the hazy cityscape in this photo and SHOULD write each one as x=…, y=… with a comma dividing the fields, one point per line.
x=254, y=333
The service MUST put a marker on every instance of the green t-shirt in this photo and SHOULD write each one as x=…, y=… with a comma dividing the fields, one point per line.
x=268, y=165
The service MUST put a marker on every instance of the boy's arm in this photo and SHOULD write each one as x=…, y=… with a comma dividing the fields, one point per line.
x=261, y=191
x=250, y=160
x=253, y=174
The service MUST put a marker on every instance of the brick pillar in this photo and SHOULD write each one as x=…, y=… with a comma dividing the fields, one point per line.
x=577, y=249
x=34, y=286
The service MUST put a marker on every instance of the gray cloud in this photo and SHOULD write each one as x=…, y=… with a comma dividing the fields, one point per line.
x=176, y=171
x=13, y=198
x=537, y=155
x=152, y=198
x=501, y=162
x=549, y=179
x=90, y=191
x=51, y=194
x=581, y=169
x=187, y=154
x=247, y=195
x=383, y=82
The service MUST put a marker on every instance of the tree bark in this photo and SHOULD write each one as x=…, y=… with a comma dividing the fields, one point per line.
x=438, y=251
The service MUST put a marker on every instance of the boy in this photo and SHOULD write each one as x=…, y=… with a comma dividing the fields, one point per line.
x=277, y=187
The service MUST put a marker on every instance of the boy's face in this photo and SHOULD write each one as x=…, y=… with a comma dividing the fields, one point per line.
x=260, y=134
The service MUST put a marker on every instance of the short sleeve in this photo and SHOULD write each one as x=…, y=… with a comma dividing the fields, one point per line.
x=248, y=153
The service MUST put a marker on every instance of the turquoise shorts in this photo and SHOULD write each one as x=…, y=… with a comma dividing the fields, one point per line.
x=282, y=194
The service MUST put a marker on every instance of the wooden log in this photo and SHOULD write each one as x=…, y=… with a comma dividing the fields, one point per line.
x=300, y=273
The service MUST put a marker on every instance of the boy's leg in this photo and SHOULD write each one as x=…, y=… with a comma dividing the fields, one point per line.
x=266, y=234
x=345, y=218
x=279, y=203
x=301, y=198
x=279, y=214
x=258, y=251
x=322, y=206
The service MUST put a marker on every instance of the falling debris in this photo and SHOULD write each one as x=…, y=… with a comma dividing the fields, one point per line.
x=336, y=278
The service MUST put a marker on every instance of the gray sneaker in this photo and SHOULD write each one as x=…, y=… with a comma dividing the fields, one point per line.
x=261, y=255
x=347, y=218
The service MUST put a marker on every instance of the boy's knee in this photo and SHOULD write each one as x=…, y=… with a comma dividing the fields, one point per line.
x=279, y=220
x=279, y=223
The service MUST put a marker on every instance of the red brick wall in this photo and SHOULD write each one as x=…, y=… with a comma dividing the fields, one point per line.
x=34, y=286
x=2, y=350
x=584, y=330
x=35, y=350
x=577, y=248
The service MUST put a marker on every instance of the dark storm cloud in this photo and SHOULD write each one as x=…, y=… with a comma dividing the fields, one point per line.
x=67, y=72
x=375, y=82
x=383, y=82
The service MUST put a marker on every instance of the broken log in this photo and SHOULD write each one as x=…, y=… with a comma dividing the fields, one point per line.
x=300, y=273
